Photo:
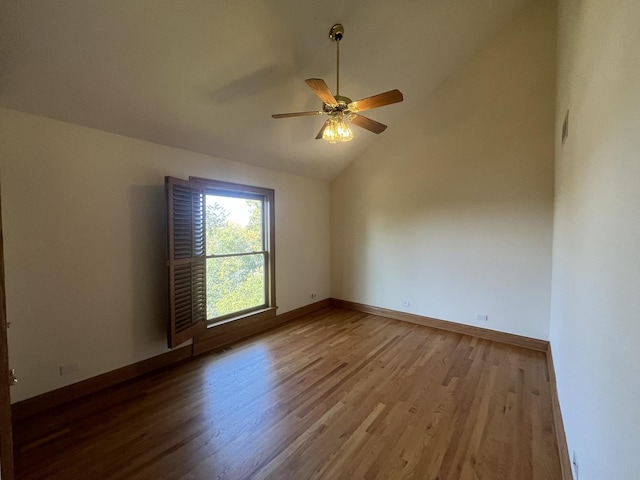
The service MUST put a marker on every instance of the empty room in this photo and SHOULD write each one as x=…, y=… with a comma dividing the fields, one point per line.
x=319, y=240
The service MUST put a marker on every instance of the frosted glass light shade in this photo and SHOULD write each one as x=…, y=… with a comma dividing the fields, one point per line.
x=337, y=130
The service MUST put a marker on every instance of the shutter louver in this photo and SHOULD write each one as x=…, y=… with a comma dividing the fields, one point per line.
x=187, y=274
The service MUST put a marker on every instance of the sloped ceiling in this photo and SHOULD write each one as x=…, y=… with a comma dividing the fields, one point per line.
x=207, y=75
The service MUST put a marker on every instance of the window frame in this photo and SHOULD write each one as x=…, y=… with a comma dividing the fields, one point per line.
x=234, y=190
x=201, y=187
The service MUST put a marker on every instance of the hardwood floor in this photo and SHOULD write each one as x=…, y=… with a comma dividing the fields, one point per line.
x=337, y=394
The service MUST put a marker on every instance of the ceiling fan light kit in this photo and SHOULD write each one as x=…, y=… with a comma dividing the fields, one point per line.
x=337, y=130
x=342, y=109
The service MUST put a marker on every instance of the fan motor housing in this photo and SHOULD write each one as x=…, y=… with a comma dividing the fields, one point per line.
x=343, y=104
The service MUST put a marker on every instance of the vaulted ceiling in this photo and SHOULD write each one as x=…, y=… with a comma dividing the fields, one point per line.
x=207, y=75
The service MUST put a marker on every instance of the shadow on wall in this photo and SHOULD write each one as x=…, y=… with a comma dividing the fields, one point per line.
x=148, y=264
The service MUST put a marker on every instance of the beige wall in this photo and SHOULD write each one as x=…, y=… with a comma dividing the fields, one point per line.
x=595, y=319
x=84, y=221
x=452, y=210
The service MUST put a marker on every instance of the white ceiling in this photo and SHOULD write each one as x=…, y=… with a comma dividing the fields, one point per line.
x=207, y=75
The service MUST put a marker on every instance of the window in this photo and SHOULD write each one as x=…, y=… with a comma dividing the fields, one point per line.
x=221, y=253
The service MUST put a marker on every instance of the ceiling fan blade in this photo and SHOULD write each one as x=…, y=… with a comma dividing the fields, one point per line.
x=319, y=136
x=296, y=114
x=380, y=100
x=364, y=122
x=320, y=88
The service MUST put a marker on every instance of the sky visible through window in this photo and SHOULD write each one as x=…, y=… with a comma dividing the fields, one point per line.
x=236, y=207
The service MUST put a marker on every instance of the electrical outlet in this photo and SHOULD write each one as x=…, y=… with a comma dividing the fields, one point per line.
x=406, y=303
x=312, y=295
x=69, y=368
x=481, y=317
x=576, y=467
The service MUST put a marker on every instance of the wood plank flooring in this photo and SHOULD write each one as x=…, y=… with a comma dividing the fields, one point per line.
x=337, y=394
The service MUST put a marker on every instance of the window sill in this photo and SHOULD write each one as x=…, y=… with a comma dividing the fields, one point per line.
x=220, y=334
x=259, y=314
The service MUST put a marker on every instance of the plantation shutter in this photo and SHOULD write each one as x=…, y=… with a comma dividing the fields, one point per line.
x=187, y=275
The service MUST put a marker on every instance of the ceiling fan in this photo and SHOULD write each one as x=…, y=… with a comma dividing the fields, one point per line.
x=341, y=108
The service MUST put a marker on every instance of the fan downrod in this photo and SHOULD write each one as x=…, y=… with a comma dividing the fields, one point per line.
x=336, y=33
